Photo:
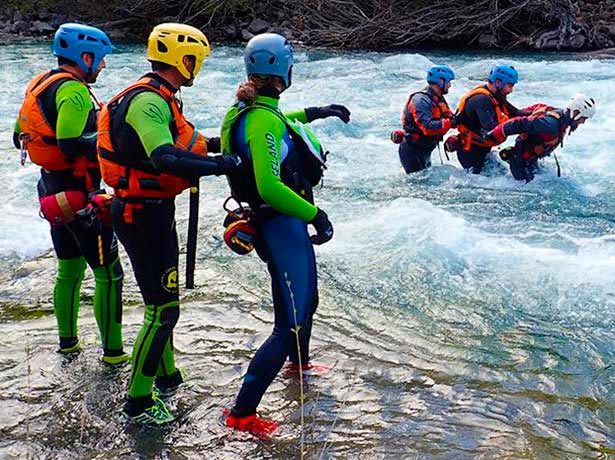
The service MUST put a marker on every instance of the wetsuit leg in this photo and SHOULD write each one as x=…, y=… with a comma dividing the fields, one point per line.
x=147, y=232
x=412, y=158
x=292, y=266
x=474, y=160
x=70, y=273
x=66, y=299
x=98, y=245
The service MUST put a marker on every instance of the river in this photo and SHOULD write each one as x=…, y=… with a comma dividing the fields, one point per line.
x=465, y=317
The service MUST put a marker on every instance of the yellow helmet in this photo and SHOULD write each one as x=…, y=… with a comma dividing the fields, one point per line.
x=170, y=42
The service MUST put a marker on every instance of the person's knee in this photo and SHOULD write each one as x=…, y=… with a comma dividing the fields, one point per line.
x=71, y=269
x=169, y=316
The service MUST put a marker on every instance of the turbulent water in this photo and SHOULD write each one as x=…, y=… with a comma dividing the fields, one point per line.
x=464, y=316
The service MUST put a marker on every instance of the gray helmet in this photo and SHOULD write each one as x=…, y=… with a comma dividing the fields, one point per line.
x=269, y=54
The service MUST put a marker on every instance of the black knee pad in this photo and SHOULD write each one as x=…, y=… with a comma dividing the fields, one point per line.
x=169, y=316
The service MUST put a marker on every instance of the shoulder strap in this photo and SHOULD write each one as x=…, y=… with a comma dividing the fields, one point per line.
x=47, y=79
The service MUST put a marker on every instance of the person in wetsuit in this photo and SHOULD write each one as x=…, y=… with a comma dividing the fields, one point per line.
x=540, y=133
x=426, y=119
x=57, y=127
x=479, y=111
x=279, y=169
x=149, y=153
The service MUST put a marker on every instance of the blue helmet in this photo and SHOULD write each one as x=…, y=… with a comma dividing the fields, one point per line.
x=444, y=72
x=72, y=40
x=505, y=73
x=269, y=54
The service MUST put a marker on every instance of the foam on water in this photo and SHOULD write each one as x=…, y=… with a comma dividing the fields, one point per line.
x=463, y=309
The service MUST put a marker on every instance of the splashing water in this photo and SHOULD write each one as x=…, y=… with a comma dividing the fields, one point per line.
x=465, y=316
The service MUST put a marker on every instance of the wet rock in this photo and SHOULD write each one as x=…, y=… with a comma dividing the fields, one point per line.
x=246, y=35
x=554, y=40
x=57, y=20
x=258, y=26
x=19, y=27
x=230, y=31
x=117, y=34
x=17, y=16
x=42, y=28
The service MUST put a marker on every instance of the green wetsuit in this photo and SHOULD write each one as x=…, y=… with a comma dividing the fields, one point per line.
x=75, y=244
x=268, y=141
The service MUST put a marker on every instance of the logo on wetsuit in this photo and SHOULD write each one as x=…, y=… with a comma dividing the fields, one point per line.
x=273, y=152
x=169, y=280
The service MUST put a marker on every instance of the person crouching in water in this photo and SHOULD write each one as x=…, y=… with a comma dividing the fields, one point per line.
x=426, y=119
x=281, y=162
x=57, y=127
x=149, y=153
x=540, y=133
x=479, y=111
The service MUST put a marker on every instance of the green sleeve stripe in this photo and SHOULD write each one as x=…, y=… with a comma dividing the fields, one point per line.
x=264, y=133
x=150, y=117
x=298, y=115
x=73, y=103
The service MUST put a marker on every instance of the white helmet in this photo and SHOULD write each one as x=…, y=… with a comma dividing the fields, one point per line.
x=581, y=106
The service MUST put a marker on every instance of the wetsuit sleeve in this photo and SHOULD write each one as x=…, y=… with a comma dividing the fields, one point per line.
x=73, y=104
x=16, y=133
x=264, y=133
x=421, y=107
x=531, y=125
x=150, y=116
x=169, y=159
x=298, y=115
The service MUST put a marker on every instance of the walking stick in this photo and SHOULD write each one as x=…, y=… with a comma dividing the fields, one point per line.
x=193, y=228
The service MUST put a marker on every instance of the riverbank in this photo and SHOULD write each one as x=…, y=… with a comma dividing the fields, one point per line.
x=542, y=25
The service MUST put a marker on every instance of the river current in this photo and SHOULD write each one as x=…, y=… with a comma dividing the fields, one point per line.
x=465, y=317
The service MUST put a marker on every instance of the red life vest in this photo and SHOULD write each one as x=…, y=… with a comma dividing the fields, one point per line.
x=548, y=142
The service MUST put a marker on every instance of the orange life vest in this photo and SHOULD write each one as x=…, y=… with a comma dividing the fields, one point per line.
x=439, y=110
x=138, y=178
x=469, y=137
x=37, y=134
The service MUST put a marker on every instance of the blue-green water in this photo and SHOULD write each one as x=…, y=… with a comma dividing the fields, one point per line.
x=466, y=316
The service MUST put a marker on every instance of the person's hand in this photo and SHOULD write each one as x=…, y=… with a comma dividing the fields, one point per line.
x=213, y=145
x=451, y=144
x=228, y=163
x=323, y=227
x=496, y=135
x=333, y=110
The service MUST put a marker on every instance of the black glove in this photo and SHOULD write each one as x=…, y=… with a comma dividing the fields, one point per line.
x=333, y=110
x=323, y=226
x=16, y=141
x=213, y=145
x=228, y=163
